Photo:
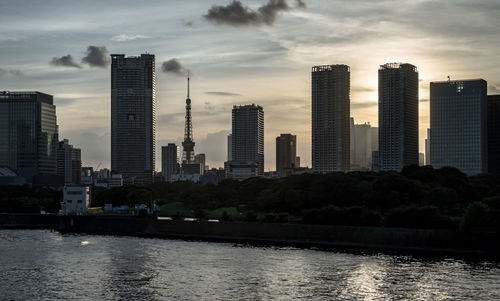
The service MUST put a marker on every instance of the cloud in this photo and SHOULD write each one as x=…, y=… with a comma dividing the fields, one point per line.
x=363, y=105
x=215, y=147
x=96, y=56
x=13, y=72
x=174, y=66
x=126, y=37
x=64, y=61
x=493, y=90
x=238, y=15
x=300, y=4
x=220, y=93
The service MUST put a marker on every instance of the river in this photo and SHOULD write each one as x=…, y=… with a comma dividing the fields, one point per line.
x=44, y=265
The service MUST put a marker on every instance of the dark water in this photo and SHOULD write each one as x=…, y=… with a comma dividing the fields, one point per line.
x=43, y=265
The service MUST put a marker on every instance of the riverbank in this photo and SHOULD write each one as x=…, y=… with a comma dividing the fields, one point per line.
x=444, y=242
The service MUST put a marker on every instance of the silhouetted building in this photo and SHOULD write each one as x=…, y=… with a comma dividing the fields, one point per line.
x=133, y=124
x=229, y=147
x=69, y=163
x=286, y=150
x=188, y=143
x=398, y=116
x=169, y=161
x=459, y=125
x=428, y=148
x=28, y=133
x=247, y=142
x=330, y=118
x=494, y=134
x=200, y=159
x=363, y=147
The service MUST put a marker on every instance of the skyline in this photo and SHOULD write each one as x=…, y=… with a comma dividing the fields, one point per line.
x=266, y=61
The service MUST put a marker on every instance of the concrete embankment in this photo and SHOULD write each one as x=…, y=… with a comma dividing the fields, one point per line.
x=28, y=221
x=368, y=238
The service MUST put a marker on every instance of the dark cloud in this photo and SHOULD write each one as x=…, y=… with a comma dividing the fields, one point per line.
x=174, y=66
x=300, y=4
x=239, y=15
x=13, y=72
x=220, y=93
x=65, y=61
x=96, y=56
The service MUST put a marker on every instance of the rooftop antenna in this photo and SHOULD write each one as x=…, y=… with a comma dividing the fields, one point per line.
x=449, y=79
x=188, y=84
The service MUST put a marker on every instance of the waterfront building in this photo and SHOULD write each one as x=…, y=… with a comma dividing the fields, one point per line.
x=169, y=161
x=133, y=124
x=494, y=134
x=28, y=133
x=458, y=119
x=247, y=142
x=286, y=154
x=330, y=118
x=397, y=116
x=69, y=163
x=76, y=200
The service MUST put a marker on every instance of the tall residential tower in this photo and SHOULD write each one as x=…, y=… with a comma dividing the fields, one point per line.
x=331, y=142
x=397, y=116
x=133, y=121
x=286, y=154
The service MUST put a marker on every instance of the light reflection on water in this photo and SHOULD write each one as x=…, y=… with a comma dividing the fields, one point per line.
x=43, y=265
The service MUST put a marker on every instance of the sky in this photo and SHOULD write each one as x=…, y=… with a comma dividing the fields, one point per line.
x=238, y=52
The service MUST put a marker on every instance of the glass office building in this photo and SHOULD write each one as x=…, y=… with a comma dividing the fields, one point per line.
x=458, y=134
x=28, y=132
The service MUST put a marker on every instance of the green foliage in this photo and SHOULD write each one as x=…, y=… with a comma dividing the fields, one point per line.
x=350, y=216
x=480, y=217
x=425, y=217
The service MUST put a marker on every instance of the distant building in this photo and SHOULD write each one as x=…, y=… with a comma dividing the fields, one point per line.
x=200, y=159
x=76, y=200
x=133, y=90
x=376, y=161
x=494, y=134
x=398, y=116
x=169, y=161
x=9, y=177
x=421, y=159
x=87, y=176
x=69, y=163
x=28, y=133
x=428, y=148
x=286, y=150
x=363, y=147
x=458, y=115
x=247, y=142
x=229, y=147
x=331, y=118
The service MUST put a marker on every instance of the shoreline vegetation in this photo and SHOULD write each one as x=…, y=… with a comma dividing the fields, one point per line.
x=416, y=198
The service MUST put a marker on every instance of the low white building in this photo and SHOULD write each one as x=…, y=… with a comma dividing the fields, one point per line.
x=76, y=200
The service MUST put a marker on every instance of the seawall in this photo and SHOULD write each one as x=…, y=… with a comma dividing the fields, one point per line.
x=446, y=242
x=28, y=221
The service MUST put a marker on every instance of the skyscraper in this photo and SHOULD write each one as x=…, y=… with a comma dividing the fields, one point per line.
x=362, y=153
x=458, y=135
x=286, y=150
x=428, y=148
x=28, y=133
x=69, y=162
x=169, y=161
x=247, y=142
x=330, y=118
x=133, y=121
x=397, y=116
x=494, y=134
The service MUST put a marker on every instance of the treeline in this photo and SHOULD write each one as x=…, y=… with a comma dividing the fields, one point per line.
x=418, y=197
x=27, y=199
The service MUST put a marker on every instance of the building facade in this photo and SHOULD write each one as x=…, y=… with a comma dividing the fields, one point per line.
x=331, y=142
x=247, y=142
x=363, y=147
x=69, y=163
x=494, y=134
x=28, y=133
x=169, y=161
x=458, y=135
x=133, y=122
x=286, y=154
x=397, y=116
